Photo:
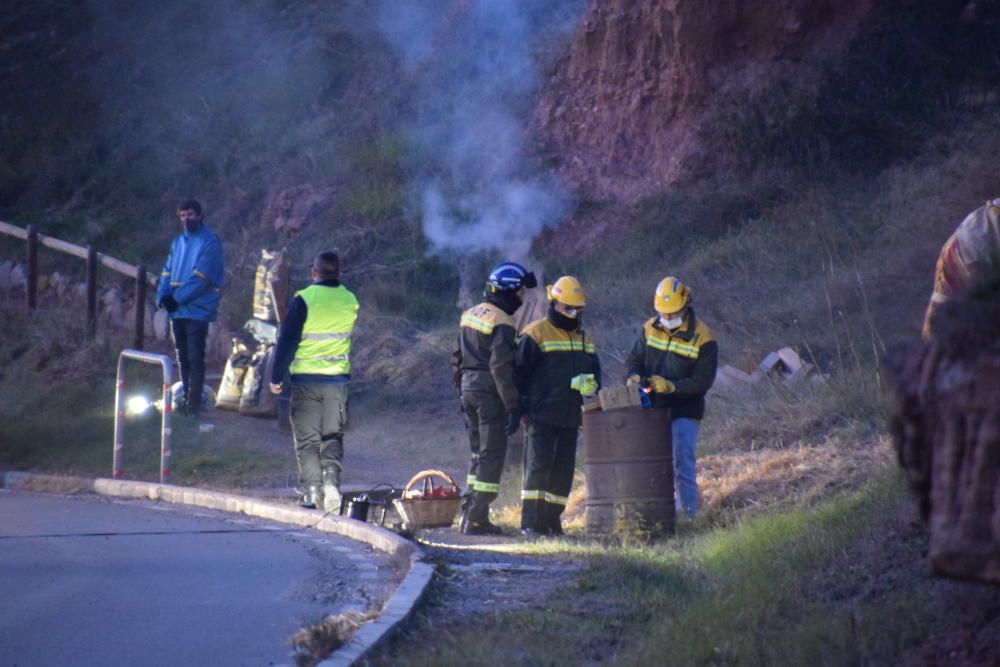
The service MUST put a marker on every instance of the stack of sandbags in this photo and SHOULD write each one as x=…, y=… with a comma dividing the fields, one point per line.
x=257, y=399
x=231, y=386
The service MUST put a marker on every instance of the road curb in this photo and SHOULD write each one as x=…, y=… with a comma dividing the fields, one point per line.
x=396, y=609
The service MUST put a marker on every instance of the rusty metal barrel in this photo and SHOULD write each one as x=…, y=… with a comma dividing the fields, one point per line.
x=629, y=465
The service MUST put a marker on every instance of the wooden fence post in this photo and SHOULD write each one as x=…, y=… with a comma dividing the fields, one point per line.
x=31, y=280
x=140, y=306
x=91, y=290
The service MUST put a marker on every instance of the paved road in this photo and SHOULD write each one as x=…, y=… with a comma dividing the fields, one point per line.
x=87, y=580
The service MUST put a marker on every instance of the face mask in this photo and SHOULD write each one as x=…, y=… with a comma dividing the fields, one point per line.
x=571, y=312
x=672, y=323
x=191, y=225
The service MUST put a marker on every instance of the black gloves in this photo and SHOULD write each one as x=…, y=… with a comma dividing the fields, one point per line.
x=513, y=421
x=169, y=303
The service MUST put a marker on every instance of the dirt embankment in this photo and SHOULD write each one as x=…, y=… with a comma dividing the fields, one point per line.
x=625, y=106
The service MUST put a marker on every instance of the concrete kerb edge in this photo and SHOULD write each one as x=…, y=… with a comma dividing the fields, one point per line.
x=395, y=610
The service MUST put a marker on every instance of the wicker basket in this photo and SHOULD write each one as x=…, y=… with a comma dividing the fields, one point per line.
x=428, y=512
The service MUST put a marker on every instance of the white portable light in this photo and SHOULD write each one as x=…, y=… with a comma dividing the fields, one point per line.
x=136, y=405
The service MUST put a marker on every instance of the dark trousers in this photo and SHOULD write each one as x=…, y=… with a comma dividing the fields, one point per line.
x=549, y=463
x=485, y=420
x=189, y=341
x=319, y=417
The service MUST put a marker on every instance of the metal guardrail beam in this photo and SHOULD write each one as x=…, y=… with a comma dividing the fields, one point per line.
x=76, y=250
x=138, y=273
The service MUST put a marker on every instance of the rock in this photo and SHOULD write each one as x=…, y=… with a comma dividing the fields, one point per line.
x=5, y=270
x=147, y=326
x=790, y=358
x=18, y=276
x=61, y=284
x=289, y=210
x=798, y=377
x=161, y=325
x=640, y=79
x=114, y=306
x=771, y=364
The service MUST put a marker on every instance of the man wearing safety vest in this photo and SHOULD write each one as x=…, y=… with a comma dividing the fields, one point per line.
x=675, y=358
x=483, y=365
x=314, y=343
x=555, y=366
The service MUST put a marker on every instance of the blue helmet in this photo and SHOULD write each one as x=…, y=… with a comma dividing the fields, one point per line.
x=510, y=276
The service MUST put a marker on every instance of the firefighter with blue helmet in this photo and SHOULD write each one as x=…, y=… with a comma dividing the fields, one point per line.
x=483, y=370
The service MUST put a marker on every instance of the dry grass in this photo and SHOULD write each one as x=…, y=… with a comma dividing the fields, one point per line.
x=314, y=643
x=767, y=480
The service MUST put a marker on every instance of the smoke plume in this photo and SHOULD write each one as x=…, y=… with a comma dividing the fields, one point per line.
x=473, y=65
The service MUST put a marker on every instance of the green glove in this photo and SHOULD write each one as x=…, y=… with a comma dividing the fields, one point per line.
x=585, y=383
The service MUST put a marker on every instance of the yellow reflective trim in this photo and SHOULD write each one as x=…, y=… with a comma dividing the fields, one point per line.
x=486, y=487
x=675, y=346
x=201, y=275
x=165, y=273
x=554, y=499
x=470, y=479
x=565, y=346
x=326, y=336
x=174, y=282
x=473, y=322
x=531, y=495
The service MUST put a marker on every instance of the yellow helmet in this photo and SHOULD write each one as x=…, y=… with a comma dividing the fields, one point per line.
x=568, y=291
x=671, y=296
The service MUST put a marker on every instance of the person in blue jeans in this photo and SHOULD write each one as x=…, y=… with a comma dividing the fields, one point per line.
x=676, y=358
x=190, y=288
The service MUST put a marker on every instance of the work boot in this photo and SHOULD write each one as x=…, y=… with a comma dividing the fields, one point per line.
x=331, y=491
x=480, y=528
x=553, y=520
x=463, y=520
x=312, y=498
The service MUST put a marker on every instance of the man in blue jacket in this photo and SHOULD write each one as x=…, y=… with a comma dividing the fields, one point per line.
x=189, y=289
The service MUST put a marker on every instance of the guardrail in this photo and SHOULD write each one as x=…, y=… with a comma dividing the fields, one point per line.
x=93, y=258
x=167, y=363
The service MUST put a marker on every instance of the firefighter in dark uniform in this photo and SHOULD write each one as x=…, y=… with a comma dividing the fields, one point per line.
x=483, y=365
x=676, y=358
x=555, y=366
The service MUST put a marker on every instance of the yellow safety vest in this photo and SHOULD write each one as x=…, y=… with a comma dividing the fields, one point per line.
x=325, y=346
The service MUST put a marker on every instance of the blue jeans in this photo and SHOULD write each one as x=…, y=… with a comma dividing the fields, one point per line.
x=685, y=436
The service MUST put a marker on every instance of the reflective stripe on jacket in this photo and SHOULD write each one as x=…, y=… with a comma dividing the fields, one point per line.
x=193, y=274
x=325, y=344
x=687, y=357
x=484, y=357
x=547, y=359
